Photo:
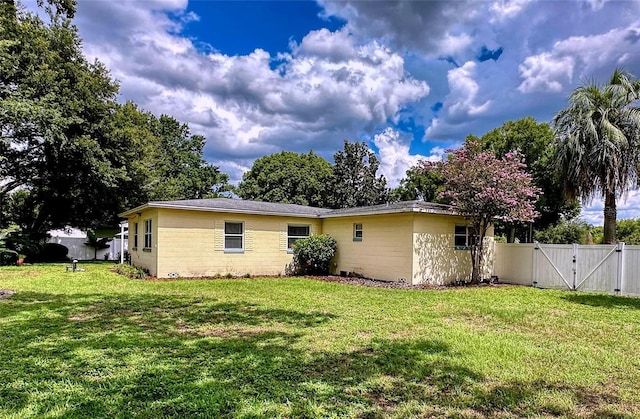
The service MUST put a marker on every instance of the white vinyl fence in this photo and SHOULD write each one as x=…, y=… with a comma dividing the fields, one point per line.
x=603, y=268
x=80, y=251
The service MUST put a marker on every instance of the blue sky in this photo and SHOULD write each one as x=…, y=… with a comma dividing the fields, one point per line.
x=239, y=27
x=410, y=78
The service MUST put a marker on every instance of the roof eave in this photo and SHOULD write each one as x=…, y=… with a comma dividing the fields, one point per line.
x=132, y=211
x=389, y=211
x=205, y=209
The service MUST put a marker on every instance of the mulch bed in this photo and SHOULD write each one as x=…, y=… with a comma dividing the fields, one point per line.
x=6, y=293
x=392, y=284
x=365, y=282
x=350, y=280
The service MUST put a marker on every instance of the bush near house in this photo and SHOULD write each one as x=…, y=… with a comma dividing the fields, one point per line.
x=8, y=257
x=313, y=254
x=129, y=271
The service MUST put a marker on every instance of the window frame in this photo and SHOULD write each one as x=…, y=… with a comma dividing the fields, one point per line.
x=295, y=237
x=357, y=228
x=466, y=235
x=240, y=235
x=135, y=236
x=148, y=233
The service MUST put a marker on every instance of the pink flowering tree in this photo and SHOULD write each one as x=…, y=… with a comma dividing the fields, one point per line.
x=484, y=188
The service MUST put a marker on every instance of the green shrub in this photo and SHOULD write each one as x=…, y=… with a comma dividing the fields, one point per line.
x=8, y=257
x=313, y=254
x=565, y=232
x=52, y=252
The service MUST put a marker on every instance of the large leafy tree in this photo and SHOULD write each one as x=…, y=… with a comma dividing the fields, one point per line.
x=422, y=182
x=483, y=189
x=566, y=232
x=181, y=171
x=69, y=154
x=52, y=104
x=628, y=231
x=597, y=143
x=288, y=177
x=162, y=160
x=133, y=145
x=535, y=141
x=355, y=178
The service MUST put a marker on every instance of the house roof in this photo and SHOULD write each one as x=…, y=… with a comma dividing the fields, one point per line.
x=234, y=206
x=391, y=208
x=272, y=208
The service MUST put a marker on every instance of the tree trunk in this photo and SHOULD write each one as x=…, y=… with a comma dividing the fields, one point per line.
x=610, y=215
x=475, y=277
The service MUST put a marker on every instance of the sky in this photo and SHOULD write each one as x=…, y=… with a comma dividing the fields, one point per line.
x=411, y=79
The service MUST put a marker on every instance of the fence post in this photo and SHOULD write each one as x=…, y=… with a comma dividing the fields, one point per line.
x=534, y=279
x=493, y=260
x=575, y=266
x=620, y=271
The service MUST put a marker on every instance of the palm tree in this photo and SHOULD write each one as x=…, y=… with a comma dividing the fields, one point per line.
x=96, y=243
x=597, y=143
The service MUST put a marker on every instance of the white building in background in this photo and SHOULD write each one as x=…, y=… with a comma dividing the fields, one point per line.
x=74, y=239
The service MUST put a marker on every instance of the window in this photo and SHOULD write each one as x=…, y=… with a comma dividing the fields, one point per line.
x=233, y=236
x=135, y=235
x=461, y=239
x=147, y=234
x=295, y=233
x=357, y=232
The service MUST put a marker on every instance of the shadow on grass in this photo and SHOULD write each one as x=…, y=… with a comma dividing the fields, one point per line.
x=163, y=356
x=603, y=300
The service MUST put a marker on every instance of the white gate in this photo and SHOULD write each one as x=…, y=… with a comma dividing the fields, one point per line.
x=599, y=268
x=586, y=268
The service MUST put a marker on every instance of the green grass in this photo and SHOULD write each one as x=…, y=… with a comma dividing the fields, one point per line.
x=95, y=344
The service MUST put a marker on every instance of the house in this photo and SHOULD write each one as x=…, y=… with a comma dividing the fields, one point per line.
x=412, y=241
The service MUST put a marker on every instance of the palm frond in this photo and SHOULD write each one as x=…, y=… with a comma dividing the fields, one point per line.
x=597, y=138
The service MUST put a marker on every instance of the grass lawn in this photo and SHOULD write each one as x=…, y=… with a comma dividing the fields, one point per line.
x=94, y=344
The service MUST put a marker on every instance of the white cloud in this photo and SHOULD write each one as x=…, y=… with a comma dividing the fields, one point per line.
x=433, y=27
x=446, y=34
x=464, y=91
x=452, y=45
x=463, y=101
x=585, y=55
x=596, y=4
x=627, y=207
x=544, y=72
x=506, y=9
x=334, y=46
x=395, y=158
x=331, y=86
x=325, y=89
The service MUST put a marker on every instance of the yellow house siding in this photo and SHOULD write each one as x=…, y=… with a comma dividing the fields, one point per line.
x=435, y=258
x=193, y=243
x=385, y=251
x=409, y=246
x=140, y=256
